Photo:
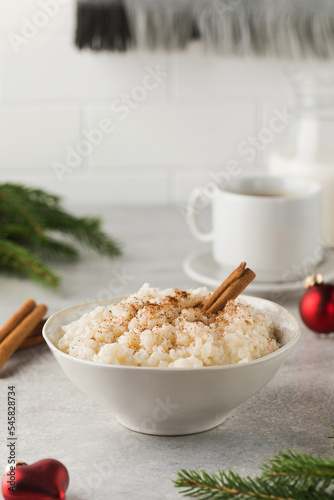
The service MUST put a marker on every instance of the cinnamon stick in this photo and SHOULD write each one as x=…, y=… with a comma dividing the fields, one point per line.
x=16, y=319
x=15, y=338
x=233, y=291
x=34, y=338
x=229, y=280
x=38, y=329
x=31, y=341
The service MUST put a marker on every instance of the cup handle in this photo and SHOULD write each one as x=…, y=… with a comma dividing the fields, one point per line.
x=193, y=217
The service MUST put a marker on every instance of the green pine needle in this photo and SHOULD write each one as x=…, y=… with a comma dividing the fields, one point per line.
x=290, y=475
x=53, y=250
x=44, y=246
x=21, y=261
x=33, y=221
x=228, y=486
x=332, y=437
x=304, y=469
x=14, y=207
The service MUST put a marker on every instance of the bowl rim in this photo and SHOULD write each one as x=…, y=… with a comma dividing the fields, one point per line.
x=287, y=347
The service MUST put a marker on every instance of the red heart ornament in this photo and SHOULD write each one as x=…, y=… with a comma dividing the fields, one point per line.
x=44, y=480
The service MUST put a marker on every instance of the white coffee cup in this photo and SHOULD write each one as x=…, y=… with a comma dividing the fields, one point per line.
x=272, y=223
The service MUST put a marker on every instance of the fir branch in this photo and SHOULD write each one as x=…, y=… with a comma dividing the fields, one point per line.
x=306, y=470
x=13, y=206
x=53, y=250
x=29, y=193
x=45, y=247
x=290, y=475
x=31, y=221
x=228, y=486
x=86, y=230
x=332, y=437
x=23, y=262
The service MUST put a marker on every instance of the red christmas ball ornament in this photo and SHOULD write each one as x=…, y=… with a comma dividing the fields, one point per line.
x=47, y=479
x=317, y=305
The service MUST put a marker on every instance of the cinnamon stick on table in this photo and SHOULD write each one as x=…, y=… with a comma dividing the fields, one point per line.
x=31, y=341
x=38, y=329
x=230, y=289
x=16, y=319
x=34, y=338
x=19, y=334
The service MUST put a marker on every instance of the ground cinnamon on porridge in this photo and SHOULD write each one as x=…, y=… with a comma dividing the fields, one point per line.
x=166, y=328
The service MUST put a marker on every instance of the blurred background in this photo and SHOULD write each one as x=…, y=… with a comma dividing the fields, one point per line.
x=198, y=112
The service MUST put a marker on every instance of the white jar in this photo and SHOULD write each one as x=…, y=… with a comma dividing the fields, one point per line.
x=310, y=150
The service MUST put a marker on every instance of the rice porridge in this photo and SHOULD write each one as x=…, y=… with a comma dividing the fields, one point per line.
x=166, y=328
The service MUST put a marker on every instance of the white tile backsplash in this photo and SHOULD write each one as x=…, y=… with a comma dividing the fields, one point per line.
x=185, y=183
x=198, y=74
x=24, y=24
x=204, y=135
x=166, y=140
x=54, y=69
x=33, y=137
x=210, y=180
x=268, y=109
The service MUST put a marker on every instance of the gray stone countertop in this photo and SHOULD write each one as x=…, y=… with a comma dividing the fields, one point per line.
x=106, y=460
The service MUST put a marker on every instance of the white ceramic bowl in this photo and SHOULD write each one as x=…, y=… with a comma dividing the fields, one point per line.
x=172, y=401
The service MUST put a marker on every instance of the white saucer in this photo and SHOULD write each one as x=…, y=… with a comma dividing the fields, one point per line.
x=201, y=267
